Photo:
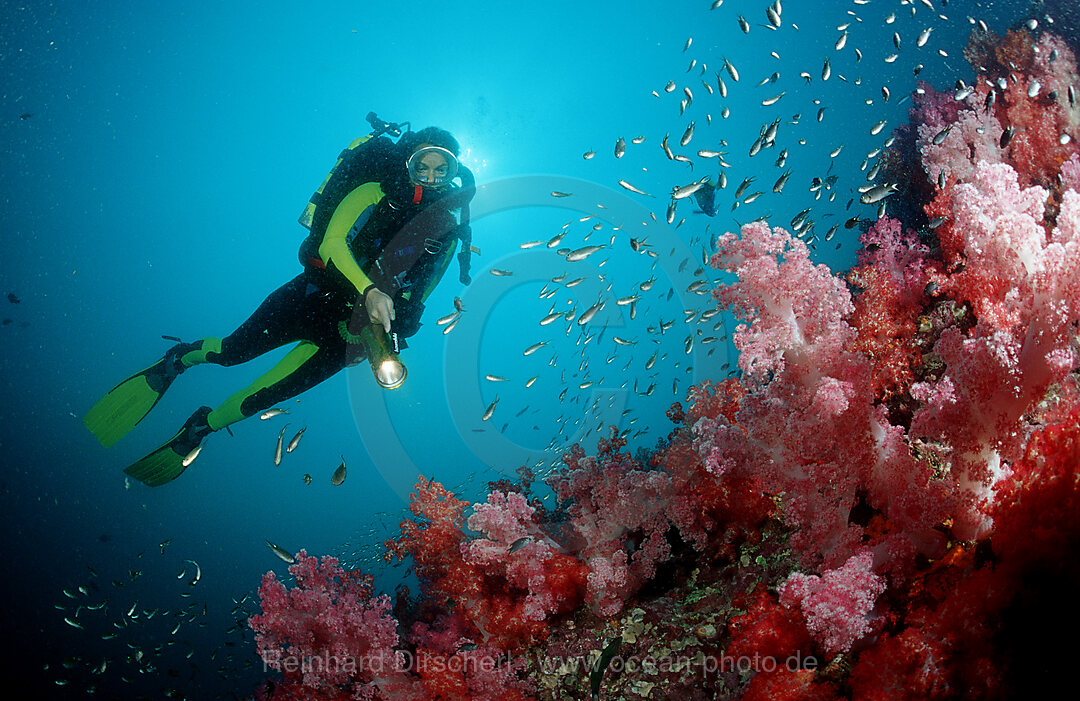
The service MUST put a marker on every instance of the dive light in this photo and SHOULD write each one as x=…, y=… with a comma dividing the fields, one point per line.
x=382, y=352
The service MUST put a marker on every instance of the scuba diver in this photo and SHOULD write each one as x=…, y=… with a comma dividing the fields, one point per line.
x=384, y=226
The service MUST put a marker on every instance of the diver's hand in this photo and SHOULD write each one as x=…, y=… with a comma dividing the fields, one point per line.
x=379, y=307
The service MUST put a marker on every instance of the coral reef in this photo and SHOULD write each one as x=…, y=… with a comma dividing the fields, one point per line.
x=880, y=506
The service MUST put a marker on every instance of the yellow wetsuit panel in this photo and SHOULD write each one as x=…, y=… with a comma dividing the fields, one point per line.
x=334, y=249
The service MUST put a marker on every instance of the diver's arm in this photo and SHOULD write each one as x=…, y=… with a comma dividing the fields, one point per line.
x=334, y=249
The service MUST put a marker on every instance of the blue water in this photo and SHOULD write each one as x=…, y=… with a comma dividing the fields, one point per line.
x=154, y=163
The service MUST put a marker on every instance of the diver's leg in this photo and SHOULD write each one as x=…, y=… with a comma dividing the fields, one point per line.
x=302, y=368
x=283, y=317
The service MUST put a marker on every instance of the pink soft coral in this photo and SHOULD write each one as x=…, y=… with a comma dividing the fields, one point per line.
x=1024, y=288
x=329, y=633
x=809, y=425
x=837, y=605
x=517, y=549
x=611, y=500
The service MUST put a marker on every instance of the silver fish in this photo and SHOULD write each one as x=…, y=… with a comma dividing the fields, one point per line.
x=589, y=313
x=582, y=253
x=781, y=181
x=271, y=413
x=682, y=191
x=730, y=67
x=490, y=410
x=620, y=147
x=631, y=188
x=295, y=440
x=190, y=457
x=280, y=442
x=742, y=187
x=687, y=135
x=283, y=554
x=534, y=347
x=877, y=193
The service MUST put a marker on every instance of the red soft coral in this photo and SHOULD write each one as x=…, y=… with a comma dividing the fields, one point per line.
x=768, y=629
x=783, y=684
x=437, y=546
x=893, y=272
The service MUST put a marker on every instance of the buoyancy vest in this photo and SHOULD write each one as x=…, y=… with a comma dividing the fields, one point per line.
x=378, y=159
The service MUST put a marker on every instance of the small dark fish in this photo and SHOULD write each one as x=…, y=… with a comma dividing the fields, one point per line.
x=1007, y=136
x=307, y=478
x=518, y=544
x=12, y=298
x=26, y=115
x=596, y=676
x=338, y=478
x=467, y=646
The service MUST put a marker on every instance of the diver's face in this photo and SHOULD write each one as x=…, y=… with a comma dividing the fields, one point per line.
x=432, y=168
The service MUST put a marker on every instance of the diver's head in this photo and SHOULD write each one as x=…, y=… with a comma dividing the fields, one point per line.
x=432, y=157
x=431, y=166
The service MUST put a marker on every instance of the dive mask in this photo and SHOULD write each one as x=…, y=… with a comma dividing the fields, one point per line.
x=432, y=166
